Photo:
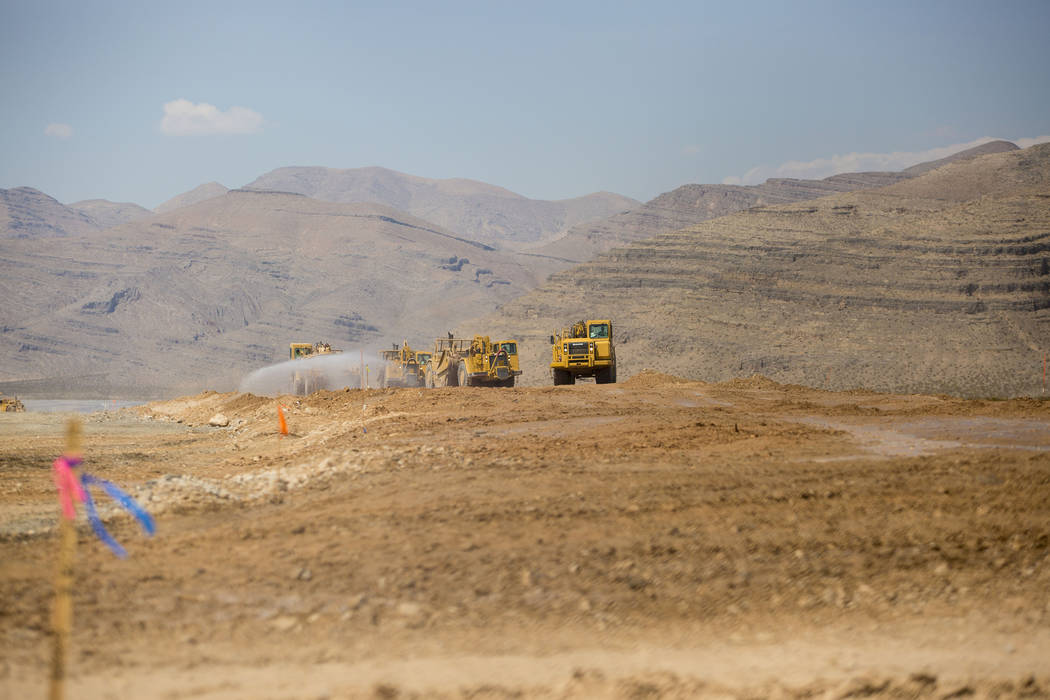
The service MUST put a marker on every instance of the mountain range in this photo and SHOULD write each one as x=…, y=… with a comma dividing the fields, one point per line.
x=201, y=295
x=938, y=283
x=476, y=210
x=690, y=204
x=107, y=298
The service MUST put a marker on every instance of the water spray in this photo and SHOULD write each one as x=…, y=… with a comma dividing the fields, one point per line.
x=345, y=370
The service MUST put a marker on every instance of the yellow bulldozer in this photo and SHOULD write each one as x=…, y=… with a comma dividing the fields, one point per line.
x=585, y=349
x=11, y=405
x=475, y=362
x=422, y=358
x=309, y=376
x=401, y=367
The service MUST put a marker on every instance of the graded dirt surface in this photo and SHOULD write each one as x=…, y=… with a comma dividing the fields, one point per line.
x=655, y=538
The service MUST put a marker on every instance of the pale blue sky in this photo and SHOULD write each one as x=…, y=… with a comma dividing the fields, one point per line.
x=550, y=100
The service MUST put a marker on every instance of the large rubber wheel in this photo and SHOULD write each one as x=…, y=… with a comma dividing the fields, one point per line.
x=561, y=376
x=508, y=382
x=461, y=374
x=604, y=376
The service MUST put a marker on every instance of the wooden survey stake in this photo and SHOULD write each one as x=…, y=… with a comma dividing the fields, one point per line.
x=62, y=615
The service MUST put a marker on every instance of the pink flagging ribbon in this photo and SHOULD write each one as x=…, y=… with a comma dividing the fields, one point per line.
x=69, y=488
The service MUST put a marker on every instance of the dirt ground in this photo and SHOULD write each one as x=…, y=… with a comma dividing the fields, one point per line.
x=655, y=538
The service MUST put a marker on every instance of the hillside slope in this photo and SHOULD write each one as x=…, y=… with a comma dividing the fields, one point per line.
x=690, y=204
x=940, y=283
x=201, y=193
x=472, y=209
x=106, y=213
x=29, y=213
x=198, y=297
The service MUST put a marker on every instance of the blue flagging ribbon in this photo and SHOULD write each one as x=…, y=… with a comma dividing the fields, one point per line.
x=125, y=501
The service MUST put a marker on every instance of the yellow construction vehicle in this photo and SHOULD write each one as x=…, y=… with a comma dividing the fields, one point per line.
x=401, y=367
x=422, y=358
x=11, y=405
x=585, y=349
x=308, y=378
x=476, y=362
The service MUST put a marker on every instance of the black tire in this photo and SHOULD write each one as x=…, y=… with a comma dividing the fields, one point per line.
x=604, y=376
x=507, y=383
x=461, y=374
x=561, y=376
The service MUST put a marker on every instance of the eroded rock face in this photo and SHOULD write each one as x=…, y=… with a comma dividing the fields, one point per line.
x=939, y=283
x=26, y=213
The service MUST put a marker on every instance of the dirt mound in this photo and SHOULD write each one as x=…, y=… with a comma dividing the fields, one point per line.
x=199, y=409
x=648, y=378
x=755, y=381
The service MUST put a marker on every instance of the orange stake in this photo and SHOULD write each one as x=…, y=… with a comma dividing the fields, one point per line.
x=280, y=420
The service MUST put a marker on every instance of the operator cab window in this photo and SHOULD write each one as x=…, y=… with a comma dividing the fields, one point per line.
x=599, y=330
x=510, y=348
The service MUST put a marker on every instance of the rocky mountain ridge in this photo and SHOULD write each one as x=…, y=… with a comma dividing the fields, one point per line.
x=473, y=209
x=200, y=193
x=202, y=295
x=691, y=204
x=936, y=284
x=26, y=212
x=106, y=213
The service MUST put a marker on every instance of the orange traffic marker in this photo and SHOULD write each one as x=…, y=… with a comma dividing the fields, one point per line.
x=280, y=420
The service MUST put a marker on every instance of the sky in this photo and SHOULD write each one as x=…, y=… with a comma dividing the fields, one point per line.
x=141, y=101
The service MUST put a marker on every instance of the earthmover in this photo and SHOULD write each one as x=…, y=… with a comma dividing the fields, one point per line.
x=422, y=358
x=476, y=362
x=401, y=367
x=585, y=349
x=11, y=405
x=308, y=378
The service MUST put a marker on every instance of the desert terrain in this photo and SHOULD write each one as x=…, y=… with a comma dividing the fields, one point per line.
x=655, y=538
x=937, y=284
x=867, y=279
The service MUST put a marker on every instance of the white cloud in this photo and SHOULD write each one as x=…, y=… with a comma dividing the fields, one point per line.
x=59, y=131
x=182, y=118
x=860, y=162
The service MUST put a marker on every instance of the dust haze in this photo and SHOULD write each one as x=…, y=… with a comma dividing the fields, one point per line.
x=337, y=371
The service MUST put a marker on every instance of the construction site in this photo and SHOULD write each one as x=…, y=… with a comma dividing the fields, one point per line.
x=785, y=440
x=653, y=538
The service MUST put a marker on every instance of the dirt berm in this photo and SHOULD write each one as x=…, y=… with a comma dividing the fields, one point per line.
x=656, y=538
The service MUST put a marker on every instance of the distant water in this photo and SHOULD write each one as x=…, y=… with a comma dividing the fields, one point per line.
x=77, y=405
